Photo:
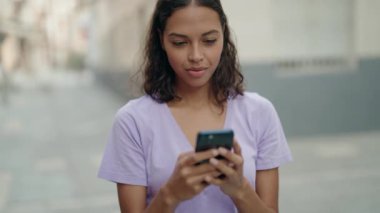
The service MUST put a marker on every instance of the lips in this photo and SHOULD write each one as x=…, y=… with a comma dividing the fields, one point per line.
x=196, y=69
x=196, y=72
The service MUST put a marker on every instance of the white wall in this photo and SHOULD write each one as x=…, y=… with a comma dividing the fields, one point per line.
x=268, y=30
x=252, y=23
x=116, y=33
x=368, y=27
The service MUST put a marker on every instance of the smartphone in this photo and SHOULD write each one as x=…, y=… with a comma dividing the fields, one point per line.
x=214, y=139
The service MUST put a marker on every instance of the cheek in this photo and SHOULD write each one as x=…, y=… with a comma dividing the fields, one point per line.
x=175, y=60
x=217, y=50
x=215, y=56
x=174, y=56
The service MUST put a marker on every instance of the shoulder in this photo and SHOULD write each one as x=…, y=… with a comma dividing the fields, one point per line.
x=255, y=110
x=138, y=108
x=253, y=102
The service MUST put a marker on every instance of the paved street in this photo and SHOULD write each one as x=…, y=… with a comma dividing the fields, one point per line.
x=333, y=174
x=52, y=138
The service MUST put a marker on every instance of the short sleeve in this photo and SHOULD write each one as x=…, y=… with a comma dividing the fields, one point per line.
x=273, y=149
x=123, y=160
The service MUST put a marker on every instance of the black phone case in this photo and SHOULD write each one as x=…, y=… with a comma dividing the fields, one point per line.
x=214, y=139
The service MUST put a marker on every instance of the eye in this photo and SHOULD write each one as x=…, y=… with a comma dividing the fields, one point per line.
x=209, y=41
x=179, y=43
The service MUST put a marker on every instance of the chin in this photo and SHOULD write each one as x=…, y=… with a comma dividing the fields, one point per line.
x=198, y=85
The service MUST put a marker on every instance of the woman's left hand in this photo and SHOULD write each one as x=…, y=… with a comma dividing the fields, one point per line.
x=233, y=182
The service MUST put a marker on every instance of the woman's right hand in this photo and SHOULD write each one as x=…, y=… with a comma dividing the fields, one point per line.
x=188, y=179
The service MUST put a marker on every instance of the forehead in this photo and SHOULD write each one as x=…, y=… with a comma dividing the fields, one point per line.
x=193, y=20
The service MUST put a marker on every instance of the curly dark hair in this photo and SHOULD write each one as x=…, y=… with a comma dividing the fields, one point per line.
x=159, y=77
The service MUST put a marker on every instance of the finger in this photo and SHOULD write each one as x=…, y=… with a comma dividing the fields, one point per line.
x=200, y=156
x=234, y=158
x=200, y=187
x=214, y=181
x=224, y=161
x=205, y=168
x=236, y=148
x=197, y=183
x=223, y=168
x=215, y=174
x=191, y=181
x=238, y=151
x=184, y=157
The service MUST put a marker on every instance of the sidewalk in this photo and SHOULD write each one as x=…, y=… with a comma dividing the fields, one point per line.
x=52, y=139
x=332, y=174
x=51, y=142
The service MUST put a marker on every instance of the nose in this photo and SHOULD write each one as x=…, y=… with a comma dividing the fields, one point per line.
x=195, y=54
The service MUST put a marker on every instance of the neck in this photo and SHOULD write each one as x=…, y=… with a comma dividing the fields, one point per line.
x=194, y=98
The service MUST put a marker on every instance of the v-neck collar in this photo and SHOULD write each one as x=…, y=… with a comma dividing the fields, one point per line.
x=178, y=128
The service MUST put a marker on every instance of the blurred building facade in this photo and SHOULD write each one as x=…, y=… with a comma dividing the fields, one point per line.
x=43, y=35
x=115, y=45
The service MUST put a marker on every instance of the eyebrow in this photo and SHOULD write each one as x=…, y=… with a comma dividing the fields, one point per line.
x=184, y=36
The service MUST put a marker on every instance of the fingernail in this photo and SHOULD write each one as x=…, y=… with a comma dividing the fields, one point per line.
x=215, y=152
x=213, y=161
x=207, y=178
x=222, y=151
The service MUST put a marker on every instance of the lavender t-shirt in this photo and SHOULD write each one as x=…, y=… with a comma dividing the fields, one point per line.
x=145, y=142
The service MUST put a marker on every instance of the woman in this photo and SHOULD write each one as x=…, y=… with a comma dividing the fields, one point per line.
x=193, y=83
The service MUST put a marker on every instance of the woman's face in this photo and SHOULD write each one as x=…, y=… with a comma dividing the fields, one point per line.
x=193, y=42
